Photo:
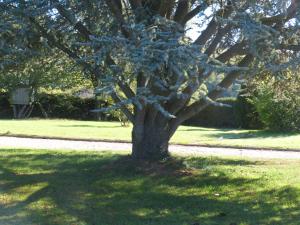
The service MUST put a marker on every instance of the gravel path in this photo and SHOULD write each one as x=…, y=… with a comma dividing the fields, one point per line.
x=35, y=143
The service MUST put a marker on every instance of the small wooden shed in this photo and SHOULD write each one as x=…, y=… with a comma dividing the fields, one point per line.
x=21, y=96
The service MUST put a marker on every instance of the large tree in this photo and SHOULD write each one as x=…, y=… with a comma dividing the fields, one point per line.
x=141, y=54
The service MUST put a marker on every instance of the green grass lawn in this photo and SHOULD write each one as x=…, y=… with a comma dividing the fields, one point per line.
x=93, y=188
x=185, y=134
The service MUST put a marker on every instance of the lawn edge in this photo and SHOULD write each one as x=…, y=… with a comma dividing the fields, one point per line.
x=129, y=142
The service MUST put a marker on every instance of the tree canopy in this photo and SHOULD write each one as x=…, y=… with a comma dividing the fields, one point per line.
x=141, y=49
x=47, y=72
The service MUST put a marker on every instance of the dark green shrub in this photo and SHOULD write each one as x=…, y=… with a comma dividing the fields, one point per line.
x=217, y=116
x=241, y=114
x=5, y=108
x=279, y=110
x=276, y=98
x=67, y=106
x=247, y=116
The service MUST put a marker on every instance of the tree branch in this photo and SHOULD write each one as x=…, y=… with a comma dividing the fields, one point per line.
x=220, y=34
x=182, y=10
x=177, y=104
x=69, y=16
x=236, y=49
x=193, y=13
x=213, y=25
x=115, y=7
x=166, y=7
x=295, y=48
x=198, y=106
x=135, y=4
x=291, y=12
x=169, y=8
x=124, y=109
x=129, y=93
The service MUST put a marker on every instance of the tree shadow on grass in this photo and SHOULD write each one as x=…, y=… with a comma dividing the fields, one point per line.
x=97, y=189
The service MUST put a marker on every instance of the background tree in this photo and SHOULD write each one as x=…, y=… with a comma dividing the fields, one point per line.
x=141, y=49
x=40, y=74
x=46, y=72
x=277, y=99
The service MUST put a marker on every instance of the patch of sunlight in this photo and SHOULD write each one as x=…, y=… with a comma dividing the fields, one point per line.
x=45, y=204
x=165, y=212
x=5, y=199
x=22, y=193
x=275, y=219
x=47, y=209
x=127, y=184
x=143, y=212
x=207, y=215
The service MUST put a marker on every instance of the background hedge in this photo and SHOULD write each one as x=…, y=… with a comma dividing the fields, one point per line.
x=241, y=114
x=64, y=106
x=6, y=111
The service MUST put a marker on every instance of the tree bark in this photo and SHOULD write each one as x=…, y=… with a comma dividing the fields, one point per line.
x=150, y=142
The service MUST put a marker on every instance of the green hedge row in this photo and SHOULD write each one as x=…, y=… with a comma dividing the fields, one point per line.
x=60, y=106
x=240, y=114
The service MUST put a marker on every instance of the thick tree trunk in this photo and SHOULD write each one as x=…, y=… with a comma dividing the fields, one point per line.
x=150, y=142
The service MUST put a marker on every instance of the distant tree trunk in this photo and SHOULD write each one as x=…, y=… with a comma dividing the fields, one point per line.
x=150, y=141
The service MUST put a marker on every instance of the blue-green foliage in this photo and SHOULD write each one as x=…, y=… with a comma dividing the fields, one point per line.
x=143, y=57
